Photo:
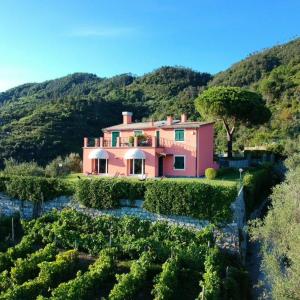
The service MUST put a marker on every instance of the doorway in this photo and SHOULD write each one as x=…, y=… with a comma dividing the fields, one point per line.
x=161, y=166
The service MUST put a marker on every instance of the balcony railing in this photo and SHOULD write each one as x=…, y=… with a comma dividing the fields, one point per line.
x=128, y=142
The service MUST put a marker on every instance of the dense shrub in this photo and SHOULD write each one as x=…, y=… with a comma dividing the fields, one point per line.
x=64, y=166
x=13, y=167
x=34, y=188
x=256, y=186
x=106, y=192
x=210, y=173
x=191, y=198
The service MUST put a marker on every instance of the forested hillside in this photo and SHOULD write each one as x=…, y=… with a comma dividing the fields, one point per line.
x=42, y=120
x=275, y=73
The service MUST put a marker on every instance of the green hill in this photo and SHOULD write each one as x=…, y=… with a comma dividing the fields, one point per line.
x=275, y=73
x=43, y=120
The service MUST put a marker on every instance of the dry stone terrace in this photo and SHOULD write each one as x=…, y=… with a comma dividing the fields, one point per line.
x=227, y=236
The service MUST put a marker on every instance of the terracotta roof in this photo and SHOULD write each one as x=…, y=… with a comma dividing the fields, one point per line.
x=157, y=124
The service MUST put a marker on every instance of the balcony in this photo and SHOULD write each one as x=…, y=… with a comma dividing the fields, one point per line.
x=120, y=142
x=134, y=142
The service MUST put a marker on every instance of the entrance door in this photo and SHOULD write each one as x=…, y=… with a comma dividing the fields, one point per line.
x=161, y=166
x=114, y=136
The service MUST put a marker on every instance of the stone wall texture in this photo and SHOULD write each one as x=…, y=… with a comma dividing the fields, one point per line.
x=227, y=237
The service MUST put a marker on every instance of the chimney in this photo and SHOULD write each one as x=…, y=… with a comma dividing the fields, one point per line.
x=127, y=117
x=183, y=118
x=169, y=120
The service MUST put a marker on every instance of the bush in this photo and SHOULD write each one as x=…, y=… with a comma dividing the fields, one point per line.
x=105, y=193
x=12, y=167
x=210, y=173
x=256, y=186
x=35, y=188
x=62, y=167
x=191, y=198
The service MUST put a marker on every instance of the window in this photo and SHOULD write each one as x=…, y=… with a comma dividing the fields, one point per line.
x=137, y=166
x=138, y=132
x=103, y=166
x=179, y=162
x=179, y=135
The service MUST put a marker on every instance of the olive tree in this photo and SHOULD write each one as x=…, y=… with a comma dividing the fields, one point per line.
x=233, y=106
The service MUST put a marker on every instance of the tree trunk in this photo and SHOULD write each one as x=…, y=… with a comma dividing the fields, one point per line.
x=229, y=145
x=229, y=133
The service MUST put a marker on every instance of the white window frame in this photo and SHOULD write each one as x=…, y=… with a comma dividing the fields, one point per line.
x=175, y=135
x=106, y=169
x=184, y=161
x=133, y=167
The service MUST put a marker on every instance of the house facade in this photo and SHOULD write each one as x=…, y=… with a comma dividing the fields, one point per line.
x=171, y=148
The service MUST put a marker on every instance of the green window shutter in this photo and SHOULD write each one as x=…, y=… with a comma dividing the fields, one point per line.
x=179, y=163
x=179, y=135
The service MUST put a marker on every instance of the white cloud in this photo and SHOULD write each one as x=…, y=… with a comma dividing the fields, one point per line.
x=102, y=32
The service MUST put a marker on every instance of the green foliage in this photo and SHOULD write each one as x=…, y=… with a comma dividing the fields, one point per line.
x=275, y=73
x=232, y=104
x=190, y=198
x=279, y=234
x=257, y=184
x=27, y=268
x=12, y=167
x=44, y=120
x=106, y=192
x=35, y=188
x=85, y=285
x=61, y=167
x=167, y=280
x=50, y=275
x=212, y=280
x=129, y=284
x=210, y=173
x=6, y=230
x=116, y=244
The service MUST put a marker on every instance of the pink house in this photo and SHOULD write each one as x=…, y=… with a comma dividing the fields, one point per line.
x=175, y=148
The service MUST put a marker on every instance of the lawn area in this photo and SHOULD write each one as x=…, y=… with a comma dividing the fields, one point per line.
x=226, y=176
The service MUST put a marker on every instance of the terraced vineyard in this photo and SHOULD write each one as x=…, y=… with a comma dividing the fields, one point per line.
x=69, y=255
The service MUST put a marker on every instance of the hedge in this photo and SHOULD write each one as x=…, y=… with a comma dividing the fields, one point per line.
x=105, y=193
x=34, y=188
x=206, y=201
x=256, y=185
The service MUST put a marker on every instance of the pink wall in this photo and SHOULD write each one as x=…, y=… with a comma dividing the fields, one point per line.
x=117, y=163
x=205, y=149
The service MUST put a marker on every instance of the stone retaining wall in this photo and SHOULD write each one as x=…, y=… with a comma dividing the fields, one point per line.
x=227, y=237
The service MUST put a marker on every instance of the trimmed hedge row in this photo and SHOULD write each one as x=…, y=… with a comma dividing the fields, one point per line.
x=105, y=193
x=210, y=201
x=34, y=188
x=207, y=201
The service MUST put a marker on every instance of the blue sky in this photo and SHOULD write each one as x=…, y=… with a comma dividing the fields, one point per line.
x=45, y=39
